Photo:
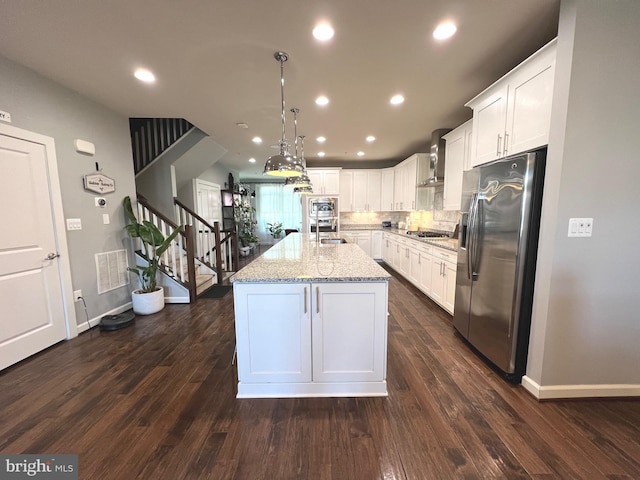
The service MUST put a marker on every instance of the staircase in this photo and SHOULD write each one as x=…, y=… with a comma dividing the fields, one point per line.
x=150, y=137
x=214, y=248
x=186, y=262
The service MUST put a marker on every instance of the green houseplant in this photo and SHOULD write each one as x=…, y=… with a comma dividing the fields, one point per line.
x=246, y=223
x=275, y=229
x=154, y=244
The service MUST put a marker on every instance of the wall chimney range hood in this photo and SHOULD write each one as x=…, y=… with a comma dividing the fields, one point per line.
x=435, y=175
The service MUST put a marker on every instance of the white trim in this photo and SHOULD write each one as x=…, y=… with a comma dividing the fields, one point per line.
x=319, y=389
x=84, y=326
x=64, y=265
x=176, y=299
x=579, y=391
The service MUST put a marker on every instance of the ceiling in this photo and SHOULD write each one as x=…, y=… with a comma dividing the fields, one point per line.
x=214, y=65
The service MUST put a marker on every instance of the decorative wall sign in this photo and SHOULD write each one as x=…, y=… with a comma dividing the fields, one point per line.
x=99, y=183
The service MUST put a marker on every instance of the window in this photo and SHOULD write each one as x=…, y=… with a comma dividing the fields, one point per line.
x=275, y=203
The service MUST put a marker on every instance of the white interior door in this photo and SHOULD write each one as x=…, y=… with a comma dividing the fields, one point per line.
x=208, y=201
x=31, y=295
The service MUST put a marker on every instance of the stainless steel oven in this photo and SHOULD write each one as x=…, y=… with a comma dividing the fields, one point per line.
x=323, y=207
x=322, y=215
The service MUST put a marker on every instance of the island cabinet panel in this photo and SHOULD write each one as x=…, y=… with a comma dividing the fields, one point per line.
x=325, y=339
x=273, y=330
x=349, y=332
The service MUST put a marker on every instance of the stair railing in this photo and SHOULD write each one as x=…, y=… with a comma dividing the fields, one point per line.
x=150, y=137
x=215, y=248
x=173, y=262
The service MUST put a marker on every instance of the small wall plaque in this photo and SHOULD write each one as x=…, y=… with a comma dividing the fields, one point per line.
x=99, y=183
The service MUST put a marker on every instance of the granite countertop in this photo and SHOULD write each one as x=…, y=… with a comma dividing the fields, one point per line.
x=450, y=244
x=297, y=258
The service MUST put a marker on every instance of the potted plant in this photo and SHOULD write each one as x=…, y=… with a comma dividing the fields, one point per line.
x=275, y=229
x=149, y=298
x=246, y=223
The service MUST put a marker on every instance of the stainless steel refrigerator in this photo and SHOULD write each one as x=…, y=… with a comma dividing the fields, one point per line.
x=497, y=246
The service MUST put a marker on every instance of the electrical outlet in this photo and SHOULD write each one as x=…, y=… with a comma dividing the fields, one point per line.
x=77, y=295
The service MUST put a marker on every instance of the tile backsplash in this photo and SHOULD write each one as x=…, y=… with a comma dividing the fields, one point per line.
x=418, y=219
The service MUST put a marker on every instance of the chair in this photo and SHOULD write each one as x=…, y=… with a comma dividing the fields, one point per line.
x=287, y=231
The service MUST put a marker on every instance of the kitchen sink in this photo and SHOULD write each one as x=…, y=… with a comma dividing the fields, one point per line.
x=333, y=240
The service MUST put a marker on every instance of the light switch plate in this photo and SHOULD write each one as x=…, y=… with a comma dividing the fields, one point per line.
x=74, y=224
x=580, y=227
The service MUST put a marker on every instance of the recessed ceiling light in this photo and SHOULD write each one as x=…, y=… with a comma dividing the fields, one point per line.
x=145, y=75
x=256, y=140
x=444, y=30
x=371, y=138
x=321, y=154
x=322, y=100
x=252, y=160
x=242, y=125
x=323, y=32
x=397, y=100
x=321, y=139
x=360, y=154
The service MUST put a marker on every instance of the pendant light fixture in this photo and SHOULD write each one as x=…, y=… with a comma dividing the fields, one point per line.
x=309, y=188
x=302, y=180
x=283, y=164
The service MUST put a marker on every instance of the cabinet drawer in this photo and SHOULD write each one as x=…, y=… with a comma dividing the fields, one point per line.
x=445, y=255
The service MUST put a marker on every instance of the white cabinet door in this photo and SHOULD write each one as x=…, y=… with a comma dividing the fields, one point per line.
x=398, y=186
x=316, y=180
x=374, y=182
x=360, y=198
x=349, y=332
x=450, y=287
x=529, y=105
x=364, y=241
x=325, y=182
x=346, y=191
x=513, y=114
x=437, y=280
x=414, y=266
x=386, y=190
x=410, y=183
x=455, y=155
x=405, y=258
x=489, y=119
x=376, y=245
x=426, y=263
x=331, y=182
x=387, y=249
x=273, y=332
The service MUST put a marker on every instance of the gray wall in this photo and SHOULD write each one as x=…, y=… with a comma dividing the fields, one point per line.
x=42, y=106
x=586, y=324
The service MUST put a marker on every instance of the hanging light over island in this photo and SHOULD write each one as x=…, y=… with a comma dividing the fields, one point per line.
x=283, y=164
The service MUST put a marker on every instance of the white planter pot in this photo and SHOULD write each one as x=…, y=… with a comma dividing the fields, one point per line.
x=244, y=251
x=147, y=303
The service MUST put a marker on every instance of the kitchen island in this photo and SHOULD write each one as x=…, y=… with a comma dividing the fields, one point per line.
x=311, y=321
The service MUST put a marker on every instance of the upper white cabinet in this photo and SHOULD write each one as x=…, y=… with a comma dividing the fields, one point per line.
x=386, y=189
x=325, y=181
x=456, y=150
x=360, y=190
x=513, y=114
x=406, y=181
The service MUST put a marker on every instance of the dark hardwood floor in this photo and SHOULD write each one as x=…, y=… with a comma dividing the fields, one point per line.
x=157, y=401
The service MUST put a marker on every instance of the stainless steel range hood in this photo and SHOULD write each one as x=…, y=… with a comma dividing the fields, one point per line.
x=436, y=159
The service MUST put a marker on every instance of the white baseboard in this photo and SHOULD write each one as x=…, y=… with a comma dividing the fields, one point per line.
x=579, y=391
x=304, y=390
x=176, y=299
x=83, y=327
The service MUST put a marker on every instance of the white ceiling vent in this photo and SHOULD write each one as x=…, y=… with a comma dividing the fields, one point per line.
x=111, y=268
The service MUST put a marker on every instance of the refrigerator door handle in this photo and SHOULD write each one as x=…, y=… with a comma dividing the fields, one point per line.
x=471, y=234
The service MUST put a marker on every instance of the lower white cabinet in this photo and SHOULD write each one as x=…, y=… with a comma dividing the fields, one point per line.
x=376, y=245
x=443, y=278
x=429, y=268
x=311, y=339
x=361, y=238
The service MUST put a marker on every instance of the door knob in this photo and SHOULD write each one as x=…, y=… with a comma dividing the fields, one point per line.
x=52, y=256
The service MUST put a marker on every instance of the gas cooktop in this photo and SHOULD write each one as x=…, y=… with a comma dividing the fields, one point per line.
x=429, y=234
